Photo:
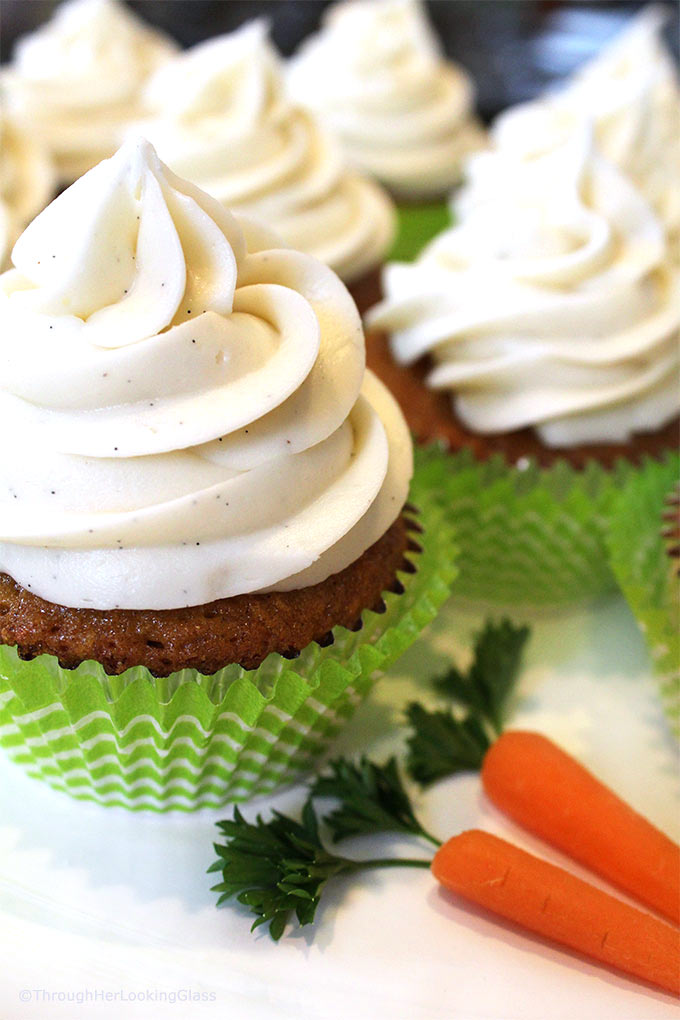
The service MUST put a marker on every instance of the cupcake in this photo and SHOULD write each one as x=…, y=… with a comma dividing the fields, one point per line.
x=202, y=483
x=219, y=116
x=76, y=80
x=540, y=336
x=376, y=74
x=26, y=181
x=630, y=94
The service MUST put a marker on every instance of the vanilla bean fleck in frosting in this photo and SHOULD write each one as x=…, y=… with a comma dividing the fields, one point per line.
x=77, y=79
x=631, y=95
x=376, y=74
x=219, y=116
x=27, y=180
x=554, y=304
x=185, y=403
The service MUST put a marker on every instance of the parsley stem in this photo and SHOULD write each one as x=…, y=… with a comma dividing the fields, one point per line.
x=430, y=838
x=394, y=862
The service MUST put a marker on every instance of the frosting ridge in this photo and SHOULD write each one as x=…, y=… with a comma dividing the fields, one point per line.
x=376, y=72
x=219, y=115
x=630, y=94
x=77, y=79
x=553, y=304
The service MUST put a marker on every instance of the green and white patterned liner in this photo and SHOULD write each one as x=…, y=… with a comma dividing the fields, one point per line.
x=648, y=576
x=530, y=536
x=190, y=741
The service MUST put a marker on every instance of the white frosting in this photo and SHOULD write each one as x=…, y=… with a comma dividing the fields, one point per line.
x=186, y=401
x=27, y=181
x=630, y=93
x=77, y=79
x=221, y=119
x=375, y=72
x=554, y=304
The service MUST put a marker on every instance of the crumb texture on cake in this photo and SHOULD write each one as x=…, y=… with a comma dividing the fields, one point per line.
x=243, y=629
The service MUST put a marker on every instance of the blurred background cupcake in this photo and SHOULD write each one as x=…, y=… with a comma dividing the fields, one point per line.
x=27, y=180
x=537, y=340
x=551, y=307
x=75, y=81
x=540, y=336
x=376, y=73
x=219, y=116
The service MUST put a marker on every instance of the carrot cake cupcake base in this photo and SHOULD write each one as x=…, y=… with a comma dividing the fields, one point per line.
x=243, y=629
x=190, y=740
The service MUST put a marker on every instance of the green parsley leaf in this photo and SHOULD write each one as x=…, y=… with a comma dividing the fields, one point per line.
x=486, y=686
x=372, y=799
x=442, y=745
x=279, y=868
x=276, y=868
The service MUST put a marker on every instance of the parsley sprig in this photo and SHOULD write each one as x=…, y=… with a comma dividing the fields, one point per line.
x=280, y=868
x=442, y=743
x=372, y=799
x=485, y=687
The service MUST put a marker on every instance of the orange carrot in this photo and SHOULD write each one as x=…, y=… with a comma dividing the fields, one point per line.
x=550, y=794
x=554, y=903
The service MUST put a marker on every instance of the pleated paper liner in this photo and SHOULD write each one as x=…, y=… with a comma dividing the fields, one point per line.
x=190, y=741
x=531, y=536
x=644, y=541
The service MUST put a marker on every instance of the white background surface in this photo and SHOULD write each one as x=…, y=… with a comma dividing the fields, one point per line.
x=96, y=901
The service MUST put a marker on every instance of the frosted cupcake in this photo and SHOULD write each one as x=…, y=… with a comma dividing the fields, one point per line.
x=202, y=483
x=27, y=181
x=77, y=80
x=630, y=94
x=376, y=74
x=220, y=118
x=544, y=330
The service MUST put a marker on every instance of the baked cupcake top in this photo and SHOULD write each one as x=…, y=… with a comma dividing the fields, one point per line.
x=187, y=403
x=376, y=74
x=554, y=304
x=220, y=117
x=630, y=94
x=77, y=79
x=27, y=181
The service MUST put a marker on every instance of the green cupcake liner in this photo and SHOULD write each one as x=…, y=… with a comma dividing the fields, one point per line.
x=530, y=536
x=189, y=741
x=416, y=225
x=647, y=575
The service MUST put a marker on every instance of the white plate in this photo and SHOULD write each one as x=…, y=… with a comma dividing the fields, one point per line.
x=115, y=909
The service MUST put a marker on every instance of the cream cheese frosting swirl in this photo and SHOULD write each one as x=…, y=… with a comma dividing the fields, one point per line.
x=77, y=79
x=376, y=74
x=219, y=116
x=187, y=403
x=27, y=181
x=630, y=94
x=554, y=304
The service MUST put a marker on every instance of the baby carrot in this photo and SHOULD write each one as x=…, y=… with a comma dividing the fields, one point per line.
x=549, y=793
x=554, y=903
